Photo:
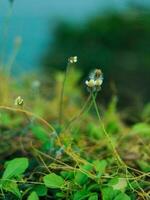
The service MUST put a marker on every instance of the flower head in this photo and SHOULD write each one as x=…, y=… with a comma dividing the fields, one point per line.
x=98, y=73
x=95, y=80
x=73, y=59
x=90, y=83
x=19, y=101
x=98, y=82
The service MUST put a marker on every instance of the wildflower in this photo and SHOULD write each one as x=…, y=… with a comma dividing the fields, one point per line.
x=90, y=83
x=98, y=73
x=95, y=80
x=19, y=101
x=73, y=59
x=98, y=82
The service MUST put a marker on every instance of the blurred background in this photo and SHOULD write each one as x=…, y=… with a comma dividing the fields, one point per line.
x=113, y=35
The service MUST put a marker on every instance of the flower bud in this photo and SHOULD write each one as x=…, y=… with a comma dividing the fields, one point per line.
x=19, y=101
x=73, y=59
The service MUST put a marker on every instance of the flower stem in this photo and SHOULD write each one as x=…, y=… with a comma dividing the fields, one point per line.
x=118, y=158
x=62, y=95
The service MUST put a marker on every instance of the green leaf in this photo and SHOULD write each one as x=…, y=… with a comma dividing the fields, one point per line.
x=15, y=167
x=118, y=184
x=33, y=196
x=122, y=196
x=41, y=190
x=53, y=181
x=108, y=193
x=5, y=119
x=60, y=195
x=141, y=128
x=100, y=166
x=81, y=177
x=40, y=133
x=67, y=175
x=11, y=186
x=82, y=194
x=145, y=166
x=93, y=196
x=94, y=130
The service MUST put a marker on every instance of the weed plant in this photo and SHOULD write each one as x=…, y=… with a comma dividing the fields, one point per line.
x=80, y=154
x=58, y=144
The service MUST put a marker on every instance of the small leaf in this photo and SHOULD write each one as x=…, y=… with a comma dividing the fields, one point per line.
x=118, y=184
x=100, y=166
x=93, y=196
x=60, y=195
x=81, y=177
x=94, y=131
x=67, y=175
x=33, y=196
x=141, y=128
x=11, y=186
x=109, y=194
x=40, y=133
x=122, y=196
x=15, y=168
x=82, y=194
x=145, y=166
x=53, y=181
x=41, y=190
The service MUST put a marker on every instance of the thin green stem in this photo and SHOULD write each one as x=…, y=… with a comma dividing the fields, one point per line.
x=85, y=109
x=62, y=95
x=76, y=117
x=118, y=158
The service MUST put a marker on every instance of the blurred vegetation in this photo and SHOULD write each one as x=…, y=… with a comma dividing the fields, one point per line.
x=119, y=43
x=90, y=154
x=42, y=159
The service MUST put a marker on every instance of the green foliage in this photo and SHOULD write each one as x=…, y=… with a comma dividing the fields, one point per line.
x=93, y=197
x=82, y=177
x=42, y=135
x=53, y=181
x=33, y=196
x=80, y=195
x=41, y=190
x=141, y=129
x=145, y=166
x=100, y=167
x=110, y=194
x=15, y=168
x=118, y=184
x=75, y=162
x=11, y=186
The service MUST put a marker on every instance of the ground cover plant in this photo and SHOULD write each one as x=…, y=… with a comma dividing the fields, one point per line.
x=57, y=143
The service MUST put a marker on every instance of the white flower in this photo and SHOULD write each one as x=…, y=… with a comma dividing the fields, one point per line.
x=95, y=80
x=90, y=83
x=98, y=82
x=73, y=59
